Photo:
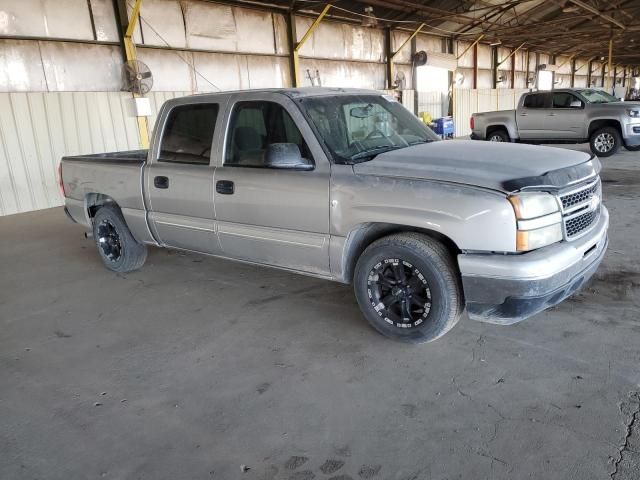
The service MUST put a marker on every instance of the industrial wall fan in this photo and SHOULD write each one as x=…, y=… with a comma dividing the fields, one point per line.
x=419, y=58
x=137, y=77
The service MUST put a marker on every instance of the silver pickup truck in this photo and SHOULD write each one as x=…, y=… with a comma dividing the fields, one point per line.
x=349, y=186
x=565, y=116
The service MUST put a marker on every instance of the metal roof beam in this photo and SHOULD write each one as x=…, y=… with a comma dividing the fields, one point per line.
x=597, y=12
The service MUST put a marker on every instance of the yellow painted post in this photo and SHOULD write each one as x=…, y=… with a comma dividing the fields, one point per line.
x=470, y=47
x=130, y=53
x=297, y=80
x=407, y=41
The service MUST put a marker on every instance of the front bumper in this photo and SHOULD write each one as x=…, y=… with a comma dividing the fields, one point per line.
x=631, y=133
x=506, y=289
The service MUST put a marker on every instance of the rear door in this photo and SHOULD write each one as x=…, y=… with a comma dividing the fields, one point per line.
x=272, y=216
x=532, y=117
x=567, y=117
x=179, y=177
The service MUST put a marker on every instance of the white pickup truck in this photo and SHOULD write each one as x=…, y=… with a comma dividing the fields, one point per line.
x=565, y=116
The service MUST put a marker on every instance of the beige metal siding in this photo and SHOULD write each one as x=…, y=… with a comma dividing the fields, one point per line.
x=467, y=102
x=37, y=129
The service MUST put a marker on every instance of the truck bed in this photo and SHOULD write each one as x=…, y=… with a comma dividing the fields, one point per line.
x=128, y=157
x=117, y=175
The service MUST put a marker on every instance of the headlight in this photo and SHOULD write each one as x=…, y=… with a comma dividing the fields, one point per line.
x=539, y=220
x=634, y=113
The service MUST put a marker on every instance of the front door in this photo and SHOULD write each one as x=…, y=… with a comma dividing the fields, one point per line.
x=179, y=179
x=567, y=117
x=270, y=215
x=532, y=118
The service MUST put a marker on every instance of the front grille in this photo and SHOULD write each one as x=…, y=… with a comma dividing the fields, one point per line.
x=580, y=196
x=581, y=208
x=579, y=224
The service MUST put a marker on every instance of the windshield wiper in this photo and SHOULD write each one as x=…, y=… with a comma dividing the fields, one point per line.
x=372, y=153
x=417, y=142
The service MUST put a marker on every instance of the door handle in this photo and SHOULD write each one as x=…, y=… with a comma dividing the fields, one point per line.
x=552, y=114
x=524, y=114
x=161, y=182
x=225, y=187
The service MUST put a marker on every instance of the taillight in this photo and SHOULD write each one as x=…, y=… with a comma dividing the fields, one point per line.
x=471, y=122
x=60, y=182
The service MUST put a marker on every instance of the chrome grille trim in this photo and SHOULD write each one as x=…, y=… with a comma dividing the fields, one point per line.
x=578, y=214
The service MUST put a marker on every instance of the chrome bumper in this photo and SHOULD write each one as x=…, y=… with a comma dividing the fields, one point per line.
x=506, y=289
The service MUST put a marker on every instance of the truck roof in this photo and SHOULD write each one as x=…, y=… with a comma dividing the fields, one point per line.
x=570, y=90
x=296, y=92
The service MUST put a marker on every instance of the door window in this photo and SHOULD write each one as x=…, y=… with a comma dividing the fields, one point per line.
x=566, y=100
x=537, y=100
x=188, y=134
x=256, y=125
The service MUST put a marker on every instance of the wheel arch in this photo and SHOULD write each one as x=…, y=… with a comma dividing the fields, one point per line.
x=94, y=201
x=604, y=122
x=365, y=234
x=494, y=127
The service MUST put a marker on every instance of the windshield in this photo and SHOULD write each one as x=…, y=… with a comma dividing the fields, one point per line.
x=597, y=96
x=356, y=128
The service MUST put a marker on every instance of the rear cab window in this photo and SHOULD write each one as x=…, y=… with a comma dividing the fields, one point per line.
x=188, y=134
x=537, y=100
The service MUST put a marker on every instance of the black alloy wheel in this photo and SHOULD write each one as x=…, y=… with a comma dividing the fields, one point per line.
x=399, y=292
x=108, y=240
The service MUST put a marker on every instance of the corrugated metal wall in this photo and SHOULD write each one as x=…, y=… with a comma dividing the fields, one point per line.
x=37, y=129
x=466, y=102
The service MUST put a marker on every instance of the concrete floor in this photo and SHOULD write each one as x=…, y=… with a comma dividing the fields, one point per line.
x=194, y=367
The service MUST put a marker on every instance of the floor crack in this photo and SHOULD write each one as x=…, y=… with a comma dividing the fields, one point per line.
x=634, y=398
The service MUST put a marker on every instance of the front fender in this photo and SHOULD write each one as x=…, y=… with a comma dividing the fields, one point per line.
x=473, y=218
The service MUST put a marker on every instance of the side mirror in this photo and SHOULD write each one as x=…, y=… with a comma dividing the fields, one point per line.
x=286, y=156
x=575, y=104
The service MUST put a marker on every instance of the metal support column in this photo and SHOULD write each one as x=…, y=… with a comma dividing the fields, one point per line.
x=388, y=35
x=127, y=27
x=473, y=45
x=513, y=70
x=494, y=67
x=291, y=42
x=390, y=61
x=297, y=79
x=609, y=85
x=475, y=66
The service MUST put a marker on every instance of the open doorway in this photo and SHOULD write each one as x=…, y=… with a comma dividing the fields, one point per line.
x=545, y=80
x=433, y=90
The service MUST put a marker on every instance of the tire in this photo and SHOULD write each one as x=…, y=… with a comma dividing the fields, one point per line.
x=431, y=277
x=498, y=136
x=118, y=249
x=605, y=141
x=633, y=148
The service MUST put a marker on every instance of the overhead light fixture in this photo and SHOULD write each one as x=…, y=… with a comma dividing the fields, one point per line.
x=495, y=43
x=369, y=19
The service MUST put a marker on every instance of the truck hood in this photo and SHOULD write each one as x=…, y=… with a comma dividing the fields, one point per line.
x=499, y=166
x=617, y=105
